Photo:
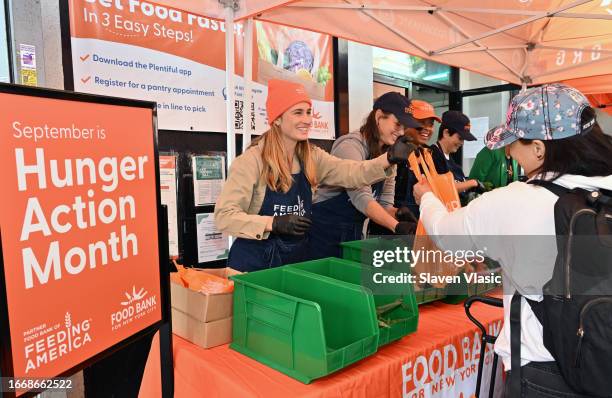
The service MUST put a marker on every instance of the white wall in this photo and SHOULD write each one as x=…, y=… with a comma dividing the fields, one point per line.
x=36, y=23
x=54, y=73
x=360, y=83
x=493, y=106
x=4, y=61
x=605, y=121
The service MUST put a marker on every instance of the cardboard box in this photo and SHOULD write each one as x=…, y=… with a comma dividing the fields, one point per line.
x=204, y=334
x=204, y=307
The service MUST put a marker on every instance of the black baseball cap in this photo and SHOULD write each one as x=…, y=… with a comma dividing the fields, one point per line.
x=398, y=105
x=459, y=123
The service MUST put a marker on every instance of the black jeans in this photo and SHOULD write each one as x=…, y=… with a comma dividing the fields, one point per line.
x=542, y=380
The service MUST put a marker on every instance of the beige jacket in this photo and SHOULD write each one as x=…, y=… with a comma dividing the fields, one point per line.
x=236, y=210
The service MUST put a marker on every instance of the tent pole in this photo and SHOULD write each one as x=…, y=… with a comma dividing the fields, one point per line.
x=484, y=48
x=546, y=14
x=248, y=77
x=362, y=7
x=230, y=6
x=229, y=79
x=582, y=15
x=496, y=11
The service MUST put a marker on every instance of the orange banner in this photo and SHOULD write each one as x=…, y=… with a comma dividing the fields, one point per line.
x=149, y=51
x=156, y=27
x=440, y=360
x=79, y=228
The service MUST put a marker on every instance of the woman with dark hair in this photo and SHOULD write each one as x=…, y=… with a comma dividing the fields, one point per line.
x=338, y=214
x=405, y=180
x=266, y=201
x=552, y=133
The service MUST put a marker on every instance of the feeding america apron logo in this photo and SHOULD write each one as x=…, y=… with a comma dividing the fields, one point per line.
x=297, y=209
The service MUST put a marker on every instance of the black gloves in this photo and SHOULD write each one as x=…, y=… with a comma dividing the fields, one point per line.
x=405, y=228
x=404, y=214
x=398, y=152
x=290, y=224
x=480, y=188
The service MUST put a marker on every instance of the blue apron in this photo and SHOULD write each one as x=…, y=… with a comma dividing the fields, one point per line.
x=247, y=255
x=336, y=220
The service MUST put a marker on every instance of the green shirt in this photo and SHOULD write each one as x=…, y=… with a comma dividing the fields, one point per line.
x=491, y=166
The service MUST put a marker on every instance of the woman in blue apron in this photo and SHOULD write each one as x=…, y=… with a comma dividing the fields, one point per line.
x=266, y=202
x=338, y=214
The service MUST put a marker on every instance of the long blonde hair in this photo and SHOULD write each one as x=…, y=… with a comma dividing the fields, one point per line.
x=276, y=171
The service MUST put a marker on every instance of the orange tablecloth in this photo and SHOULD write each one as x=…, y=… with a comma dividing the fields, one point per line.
x=440, y=358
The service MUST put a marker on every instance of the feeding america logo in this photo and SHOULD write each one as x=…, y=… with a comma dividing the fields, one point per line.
x=48, y=343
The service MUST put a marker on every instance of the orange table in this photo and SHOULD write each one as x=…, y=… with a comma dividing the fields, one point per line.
x=440, y=359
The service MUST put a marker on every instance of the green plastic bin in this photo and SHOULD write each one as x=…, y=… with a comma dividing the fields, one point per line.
x=360, y=251
x=302, y=324
x=398, y=314
x=429, y=294
x=457, y=293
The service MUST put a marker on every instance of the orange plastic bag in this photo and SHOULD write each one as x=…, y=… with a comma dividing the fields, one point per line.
x=443, y=186
x=201, y=281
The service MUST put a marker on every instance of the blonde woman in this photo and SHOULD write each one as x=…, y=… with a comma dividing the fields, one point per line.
x=266, y=200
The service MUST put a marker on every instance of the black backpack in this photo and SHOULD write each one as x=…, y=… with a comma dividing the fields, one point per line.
x=576, y=313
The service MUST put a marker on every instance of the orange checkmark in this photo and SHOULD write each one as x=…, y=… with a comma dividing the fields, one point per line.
x=86, y=79
x=84, y=57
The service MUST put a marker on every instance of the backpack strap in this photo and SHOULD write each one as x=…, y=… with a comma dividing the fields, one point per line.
x=537, y=307
x=515, y=347
x=515, y=313
x=551, y=186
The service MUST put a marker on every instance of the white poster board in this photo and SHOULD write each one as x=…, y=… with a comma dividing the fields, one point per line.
x=208, y=178
x=212, y=244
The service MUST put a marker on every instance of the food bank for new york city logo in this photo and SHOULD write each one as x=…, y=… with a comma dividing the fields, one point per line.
x=49, y=343
x=136, y=306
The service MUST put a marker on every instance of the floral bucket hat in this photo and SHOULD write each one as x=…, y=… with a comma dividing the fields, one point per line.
x=548, y=112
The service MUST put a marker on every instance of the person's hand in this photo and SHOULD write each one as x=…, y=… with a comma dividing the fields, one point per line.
x=404, y=214
x=405, y=228
x=420, y=189
x=398, y=152
x=290, y=224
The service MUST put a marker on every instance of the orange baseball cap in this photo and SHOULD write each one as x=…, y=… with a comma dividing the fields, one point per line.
x=282, y=95
x=422, y=110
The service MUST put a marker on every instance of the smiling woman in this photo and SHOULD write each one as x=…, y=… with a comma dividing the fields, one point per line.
x=266, y=201
x=406, y=179
x=339, y=214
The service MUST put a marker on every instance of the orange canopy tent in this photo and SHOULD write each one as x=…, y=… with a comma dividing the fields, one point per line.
x=520, y=41
x=598, y=90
